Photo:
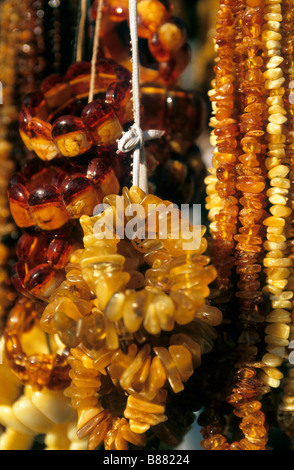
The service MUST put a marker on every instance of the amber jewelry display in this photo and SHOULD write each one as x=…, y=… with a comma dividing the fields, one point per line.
x=116, y=316
x=165, y=50
x=260, y=73
x=116, y=341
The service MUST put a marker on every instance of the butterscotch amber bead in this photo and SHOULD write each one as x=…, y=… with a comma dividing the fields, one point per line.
x=41, y=140
x=48, y=208
x=71, y=136
x=151, y=14
x=167, y=40
x=100, y=119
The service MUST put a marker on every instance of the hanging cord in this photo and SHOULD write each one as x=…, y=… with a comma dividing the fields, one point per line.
x=81, y=32
x=134, y=138
x=95, y=50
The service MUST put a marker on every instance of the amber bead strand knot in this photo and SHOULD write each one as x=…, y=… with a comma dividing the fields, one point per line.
x=221, y=183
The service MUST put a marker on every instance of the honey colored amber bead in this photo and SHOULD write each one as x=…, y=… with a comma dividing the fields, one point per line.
x=33, y=104
x=79, y=196
x=71, y=136
x=48, y=208
x=19, y=206
x=102, y=123
x=151, y=14
x=41, y=139
x=116, y=11
x=167, y=40
x=77, y=75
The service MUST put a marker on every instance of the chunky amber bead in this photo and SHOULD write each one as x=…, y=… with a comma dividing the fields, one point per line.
x=99, y=117
x=49, y=196
x=116, y=11
x=48, y=208
x=167, y=40
x=151, y=14
x=71, y=136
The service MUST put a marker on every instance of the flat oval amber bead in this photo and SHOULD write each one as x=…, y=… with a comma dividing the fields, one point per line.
x=42, y=280
x=78, y=77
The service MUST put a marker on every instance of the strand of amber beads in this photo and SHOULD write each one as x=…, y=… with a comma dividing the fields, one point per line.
x=245, y=398
x=9, y=43
x=221, y=184
x=37, y=369
x=250, y=183
x=164, y=295
x=285, y=407
x=276, y=261
x=97, y=313
x=163, y=39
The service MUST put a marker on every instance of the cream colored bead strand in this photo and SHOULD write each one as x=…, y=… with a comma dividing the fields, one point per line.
x=276, y=263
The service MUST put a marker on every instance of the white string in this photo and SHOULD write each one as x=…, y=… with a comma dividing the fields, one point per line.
x=134, y=138
x=82, y=21
x=95, y=50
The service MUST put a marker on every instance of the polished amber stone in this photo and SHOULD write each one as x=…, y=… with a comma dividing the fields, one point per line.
x=151, y=14
x=79, y=195
x=167, y=40
x=71, y=136
x=41, y=140
x=48, y=208
x=100, y=119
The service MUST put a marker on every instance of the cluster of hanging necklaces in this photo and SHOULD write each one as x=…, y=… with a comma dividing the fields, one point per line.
x=110, y=342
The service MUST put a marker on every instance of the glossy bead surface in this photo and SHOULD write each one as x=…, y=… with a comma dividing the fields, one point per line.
x=71, y=136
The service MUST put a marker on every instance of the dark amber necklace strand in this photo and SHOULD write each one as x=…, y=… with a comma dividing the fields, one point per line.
x=221, y=187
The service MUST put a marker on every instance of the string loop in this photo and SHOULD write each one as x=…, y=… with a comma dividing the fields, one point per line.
x=135, y=138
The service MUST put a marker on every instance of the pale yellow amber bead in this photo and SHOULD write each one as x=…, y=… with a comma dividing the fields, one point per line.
x=280, y=330
x=272, y=360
